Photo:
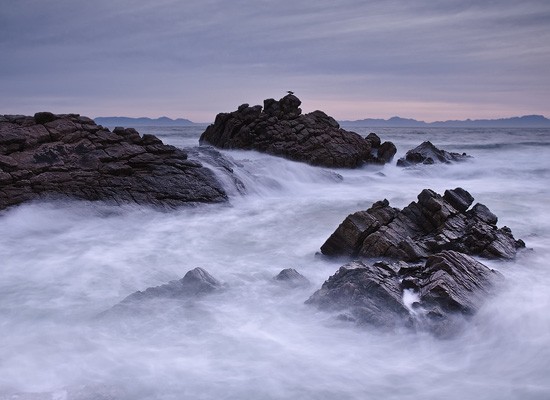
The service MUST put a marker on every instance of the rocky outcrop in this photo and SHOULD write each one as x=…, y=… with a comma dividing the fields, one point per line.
x=68, y=155
x=427, y=153
x=281, y=129
x=430, y=225
x=292, y=278
x=434, y=296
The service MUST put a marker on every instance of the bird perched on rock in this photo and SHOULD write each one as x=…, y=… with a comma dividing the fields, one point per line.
x=290, y=92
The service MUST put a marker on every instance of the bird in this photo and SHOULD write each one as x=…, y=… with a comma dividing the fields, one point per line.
x=290, y=92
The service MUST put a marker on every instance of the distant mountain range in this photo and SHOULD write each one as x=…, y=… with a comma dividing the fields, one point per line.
x=527, y=121
x=142, y=121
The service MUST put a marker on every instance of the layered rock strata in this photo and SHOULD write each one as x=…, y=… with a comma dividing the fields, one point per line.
x=436, y=296
x=430, y=225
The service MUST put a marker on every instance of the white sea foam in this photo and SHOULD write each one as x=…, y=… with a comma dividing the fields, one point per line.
x=64, y=263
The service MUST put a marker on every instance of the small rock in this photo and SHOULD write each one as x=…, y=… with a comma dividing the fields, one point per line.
x=427, y=153
x=291, y=277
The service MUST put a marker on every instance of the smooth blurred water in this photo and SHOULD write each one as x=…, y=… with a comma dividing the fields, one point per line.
x=61, y=264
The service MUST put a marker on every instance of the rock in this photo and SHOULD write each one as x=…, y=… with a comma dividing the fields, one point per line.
x=370, y=293
x=195, y=283
x=381, y=153
x=56, y=156
x=449, y=287
x=432, y=224
x=292, y=278
x=427, y=153
x=282, y=130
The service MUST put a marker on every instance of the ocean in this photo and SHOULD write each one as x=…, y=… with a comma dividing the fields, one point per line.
x=64, y=263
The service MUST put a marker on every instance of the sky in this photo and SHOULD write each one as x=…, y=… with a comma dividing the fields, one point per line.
x=428, y=60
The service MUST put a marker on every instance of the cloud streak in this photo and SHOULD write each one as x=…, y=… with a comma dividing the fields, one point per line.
x=197, y=58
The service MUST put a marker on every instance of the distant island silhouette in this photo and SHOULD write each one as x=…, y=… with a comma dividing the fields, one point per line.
x=142, y=121
x=526, y=121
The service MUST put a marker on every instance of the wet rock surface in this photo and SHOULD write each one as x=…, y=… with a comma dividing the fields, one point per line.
x=427, y=153
x=53, y=156
x=280, y=129
x=430, y=225
x=446, y=290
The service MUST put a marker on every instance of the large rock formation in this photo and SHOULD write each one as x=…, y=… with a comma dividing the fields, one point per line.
x=427, y=153
x=434, y=296
x=68, y=155
x=281, y=129
x=432, y=224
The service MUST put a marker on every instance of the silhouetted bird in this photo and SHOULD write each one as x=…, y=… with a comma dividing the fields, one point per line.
x=290, y=92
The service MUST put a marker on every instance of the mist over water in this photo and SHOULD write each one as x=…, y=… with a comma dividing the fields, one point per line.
x=64, y=263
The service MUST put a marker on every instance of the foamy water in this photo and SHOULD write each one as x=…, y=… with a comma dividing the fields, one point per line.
x=64, y=263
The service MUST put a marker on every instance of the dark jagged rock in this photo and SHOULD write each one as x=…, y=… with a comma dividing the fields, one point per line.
x=381, y=153
x=68, y=155
x=432, y=224
x=281, y=129
x=291, y=277
x=447, y=288
x=427, y=153
x=370, y=293
x=195, y=283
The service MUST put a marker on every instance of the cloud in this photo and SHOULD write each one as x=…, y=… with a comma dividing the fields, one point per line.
x=196, y=58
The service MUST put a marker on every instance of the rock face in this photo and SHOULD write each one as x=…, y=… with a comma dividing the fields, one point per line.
x=432, y=224
x=447, y=288
x=281, y=129
x=68, y=155
x=427, y=153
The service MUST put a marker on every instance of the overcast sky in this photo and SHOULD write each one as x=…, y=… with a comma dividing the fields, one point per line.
x=353, y=59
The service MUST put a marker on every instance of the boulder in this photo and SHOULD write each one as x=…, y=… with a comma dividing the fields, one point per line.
x=281, y=129
x=446, y=290
x=430, y=225
x=291, y=277
x=427, y=153
x=53, y=156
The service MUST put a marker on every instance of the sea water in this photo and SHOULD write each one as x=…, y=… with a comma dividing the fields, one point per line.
x=63, y=263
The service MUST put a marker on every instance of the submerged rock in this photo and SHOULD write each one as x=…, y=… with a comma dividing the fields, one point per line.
x=195, y=283
x=291, y=277
x=432, y=224
x=447, y=288
x=70, y=156
x=427, y=153
x=281, y=129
